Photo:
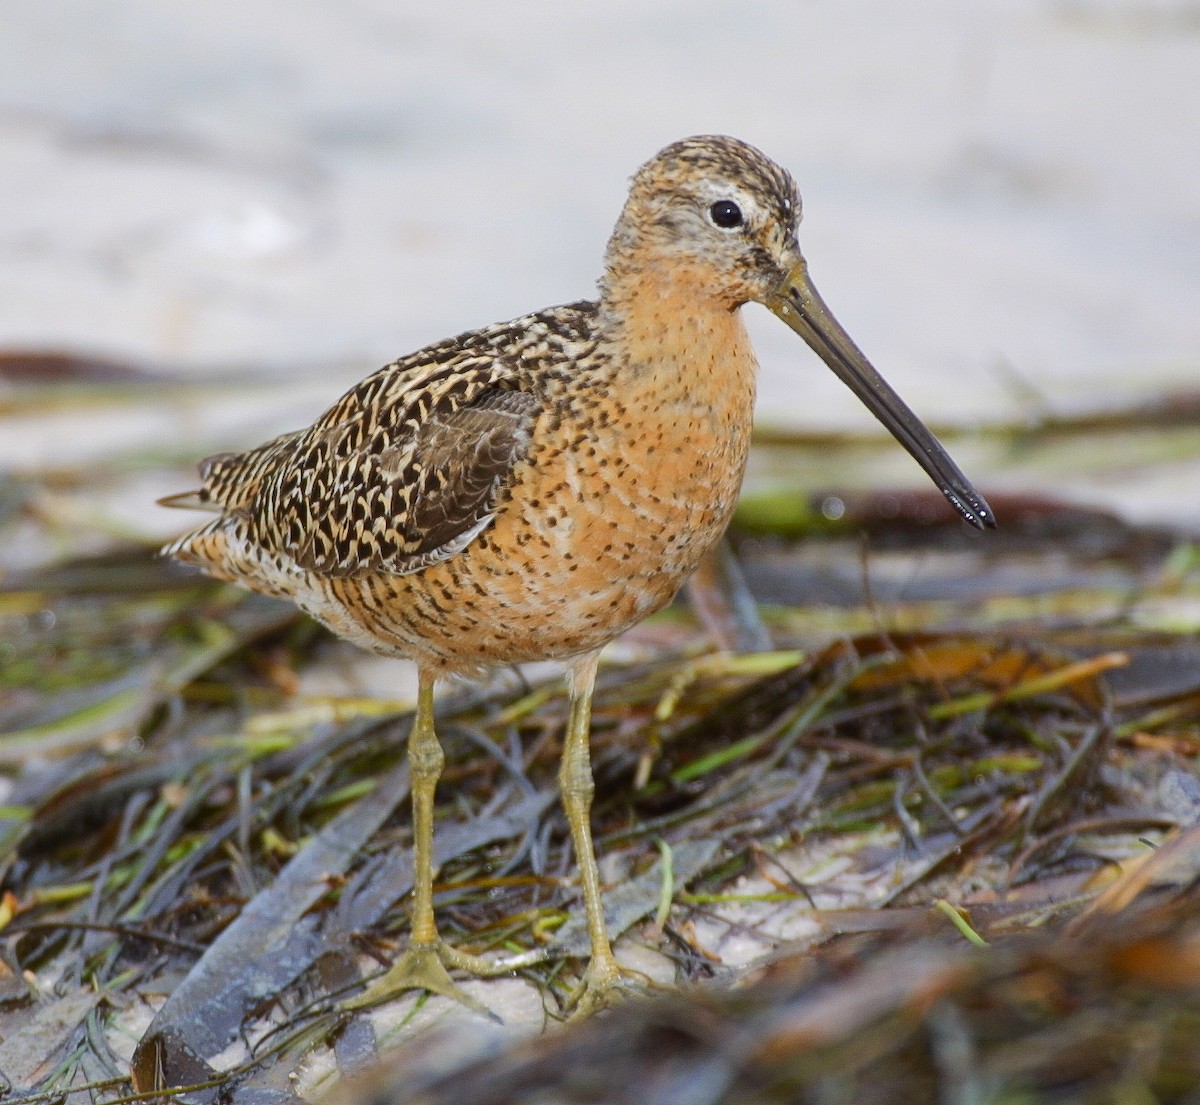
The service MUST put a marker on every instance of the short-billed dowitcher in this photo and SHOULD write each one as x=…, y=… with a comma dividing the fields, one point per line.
x=530, y=490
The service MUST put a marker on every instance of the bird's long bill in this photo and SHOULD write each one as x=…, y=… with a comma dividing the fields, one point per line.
x=796, y=302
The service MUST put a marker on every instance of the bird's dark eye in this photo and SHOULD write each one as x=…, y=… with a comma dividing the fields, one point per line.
x=726, y=214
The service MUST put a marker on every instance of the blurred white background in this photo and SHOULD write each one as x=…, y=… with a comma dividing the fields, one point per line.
x=1002, y=196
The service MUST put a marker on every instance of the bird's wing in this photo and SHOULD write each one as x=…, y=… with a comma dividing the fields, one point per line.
x=400, y=489
x=402, y=472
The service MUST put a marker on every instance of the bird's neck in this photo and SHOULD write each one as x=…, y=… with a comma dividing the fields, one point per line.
x=678, y=340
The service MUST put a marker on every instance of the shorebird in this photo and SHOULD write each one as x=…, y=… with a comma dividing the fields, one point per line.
x=530, y=490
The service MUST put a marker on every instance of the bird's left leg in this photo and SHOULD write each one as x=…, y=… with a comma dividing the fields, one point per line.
x=602, y=980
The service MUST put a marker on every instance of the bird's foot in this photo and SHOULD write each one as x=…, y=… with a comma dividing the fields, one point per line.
x=605, y=984
x=427, y=966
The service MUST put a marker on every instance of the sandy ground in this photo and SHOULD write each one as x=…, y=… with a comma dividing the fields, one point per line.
x=998, y=190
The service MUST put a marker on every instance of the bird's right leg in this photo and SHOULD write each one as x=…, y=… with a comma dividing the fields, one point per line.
x=427, y=962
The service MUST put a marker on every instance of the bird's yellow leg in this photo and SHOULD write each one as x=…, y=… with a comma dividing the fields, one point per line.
x=602, y=980
x=427, y=962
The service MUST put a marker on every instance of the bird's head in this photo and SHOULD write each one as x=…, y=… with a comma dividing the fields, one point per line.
x=713, y=220
x=715, y=211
